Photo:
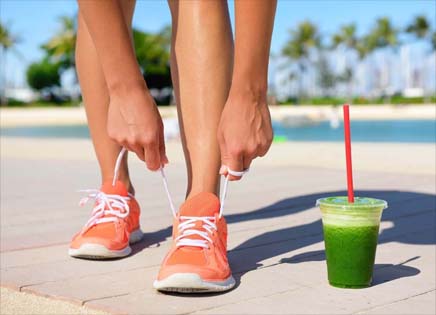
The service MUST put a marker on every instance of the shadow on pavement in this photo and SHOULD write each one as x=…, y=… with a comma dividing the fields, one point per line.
x=412, y=217
x=382, y=272
x=411, y=214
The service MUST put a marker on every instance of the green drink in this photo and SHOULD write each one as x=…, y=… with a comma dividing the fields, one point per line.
x=350, y=237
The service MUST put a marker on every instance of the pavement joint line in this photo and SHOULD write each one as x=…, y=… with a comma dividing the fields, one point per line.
x=106, y=297
x=47, y=296
x=86, y=276
x=393, y=302
x=32, y=247
x=249, y=299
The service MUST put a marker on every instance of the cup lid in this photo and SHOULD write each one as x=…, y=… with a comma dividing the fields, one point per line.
x=359, y=202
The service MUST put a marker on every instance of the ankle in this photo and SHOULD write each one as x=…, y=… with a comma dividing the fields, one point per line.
x=126, y=181
x=195, y=191
x=129, y=187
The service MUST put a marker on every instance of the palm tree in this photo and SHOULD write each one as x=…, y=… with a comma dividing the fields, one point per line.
x=347, y=38
x=8, y=41
x=433, y=41
x=382, y=35
x=60, y=48
x=153, y=54
x=303, y=39
x=419, y=27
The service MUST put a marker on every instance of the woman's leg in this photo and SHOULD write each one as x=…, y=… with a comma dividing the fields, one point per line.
x=96, y=98
x=201, y=69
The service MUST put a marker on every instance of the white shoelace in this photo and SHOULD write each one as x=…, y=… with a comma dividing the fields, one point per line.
x=187, y=223
x=117, y=208
x=186, y=229
x=108, y=207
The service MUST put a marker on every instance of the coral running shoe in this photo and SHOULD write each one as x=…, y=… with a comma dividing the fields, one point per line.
x=197, y=260
x=114, y=224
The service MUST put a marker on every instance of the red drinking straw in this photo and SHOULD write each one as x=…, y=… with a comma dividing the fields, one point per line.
x=347, y=134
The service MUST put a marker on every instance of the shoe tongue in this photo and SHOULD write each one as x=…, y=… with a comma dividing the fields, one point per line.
x=201, y=205
x=118, y=189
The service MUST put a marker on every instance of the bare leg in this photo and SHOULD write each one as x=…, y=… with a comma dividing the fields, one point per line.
x=245, y=130
x=201, y=68
x=96, y=98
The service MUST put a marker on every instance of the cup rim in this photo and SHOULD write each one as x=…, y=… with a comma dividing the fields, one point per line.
x=376, y=203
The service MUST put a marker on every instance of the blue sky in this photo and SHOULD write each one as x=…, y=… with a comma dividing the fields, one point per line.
x=36, y=20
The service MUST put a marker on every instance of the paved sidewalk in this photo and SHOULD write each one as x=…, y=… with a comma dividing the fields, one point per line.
x=275, y=235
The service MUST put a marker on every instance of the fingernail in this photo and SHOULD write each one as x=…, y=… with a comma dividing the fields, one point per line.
x=223, y=169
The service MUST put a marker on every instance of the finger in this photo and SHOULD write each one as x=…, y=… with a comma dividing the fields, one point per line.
x=264, y=148
x=162, y=150
x=134, y=148
x=139, y=151
x=126, y=145
x=152, y=156
x=234, y=163
x=247, y=161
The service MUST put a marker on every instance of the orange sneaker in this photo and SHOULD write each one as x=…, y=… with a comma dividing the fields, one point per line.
x=114, y=224
x=197, y=260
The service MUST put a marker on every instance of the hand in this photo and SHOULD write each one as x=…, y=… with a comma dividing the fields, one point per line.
x=244, y=132
x=135, y=123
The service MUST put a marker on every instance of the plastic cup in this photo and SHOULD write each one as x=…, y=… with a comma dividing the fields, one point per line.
x=350, y=237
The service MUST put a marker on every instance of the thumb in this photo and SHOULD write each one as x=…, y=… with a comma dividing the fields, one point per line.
x=232, y=162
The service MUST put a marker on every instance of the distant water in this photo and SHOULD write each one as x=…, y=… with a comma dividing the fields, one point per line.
x=420, y=131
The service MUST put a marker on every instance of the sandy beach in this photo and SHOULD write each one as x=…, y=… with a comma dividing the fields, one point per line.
x=10, y=117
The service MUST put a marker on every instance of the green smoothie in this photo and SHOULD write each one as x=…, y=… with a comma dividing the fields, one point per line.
x=350, y=237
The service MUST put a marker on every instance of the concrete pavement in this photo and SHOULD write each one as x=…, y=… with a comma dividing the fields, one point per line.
x=275, y=233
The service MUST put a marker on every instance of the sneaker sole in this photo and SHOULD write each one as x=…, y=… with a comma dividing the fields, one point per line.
x=98, y=251
x=192, y=283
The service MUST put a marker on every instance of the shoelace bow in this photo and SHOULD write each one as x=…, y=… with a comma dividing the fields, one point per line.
x=108, y=207
x=187, y=223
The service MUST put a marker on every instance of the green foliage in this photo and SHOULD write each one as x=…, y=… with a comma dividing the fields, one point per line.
x=420, y=27
x=60, y=48
x=382, y=35
x=326, y=77
x=152, y=50
x=7, y=39
x=302, y=40
x=324, y=101
x=153, y=55
x=346, y=36
x=42, y=75
x=395, y=100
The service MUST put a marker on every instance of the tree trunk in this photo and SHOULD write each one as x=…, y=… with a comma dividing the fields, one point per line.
x=4, y=99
